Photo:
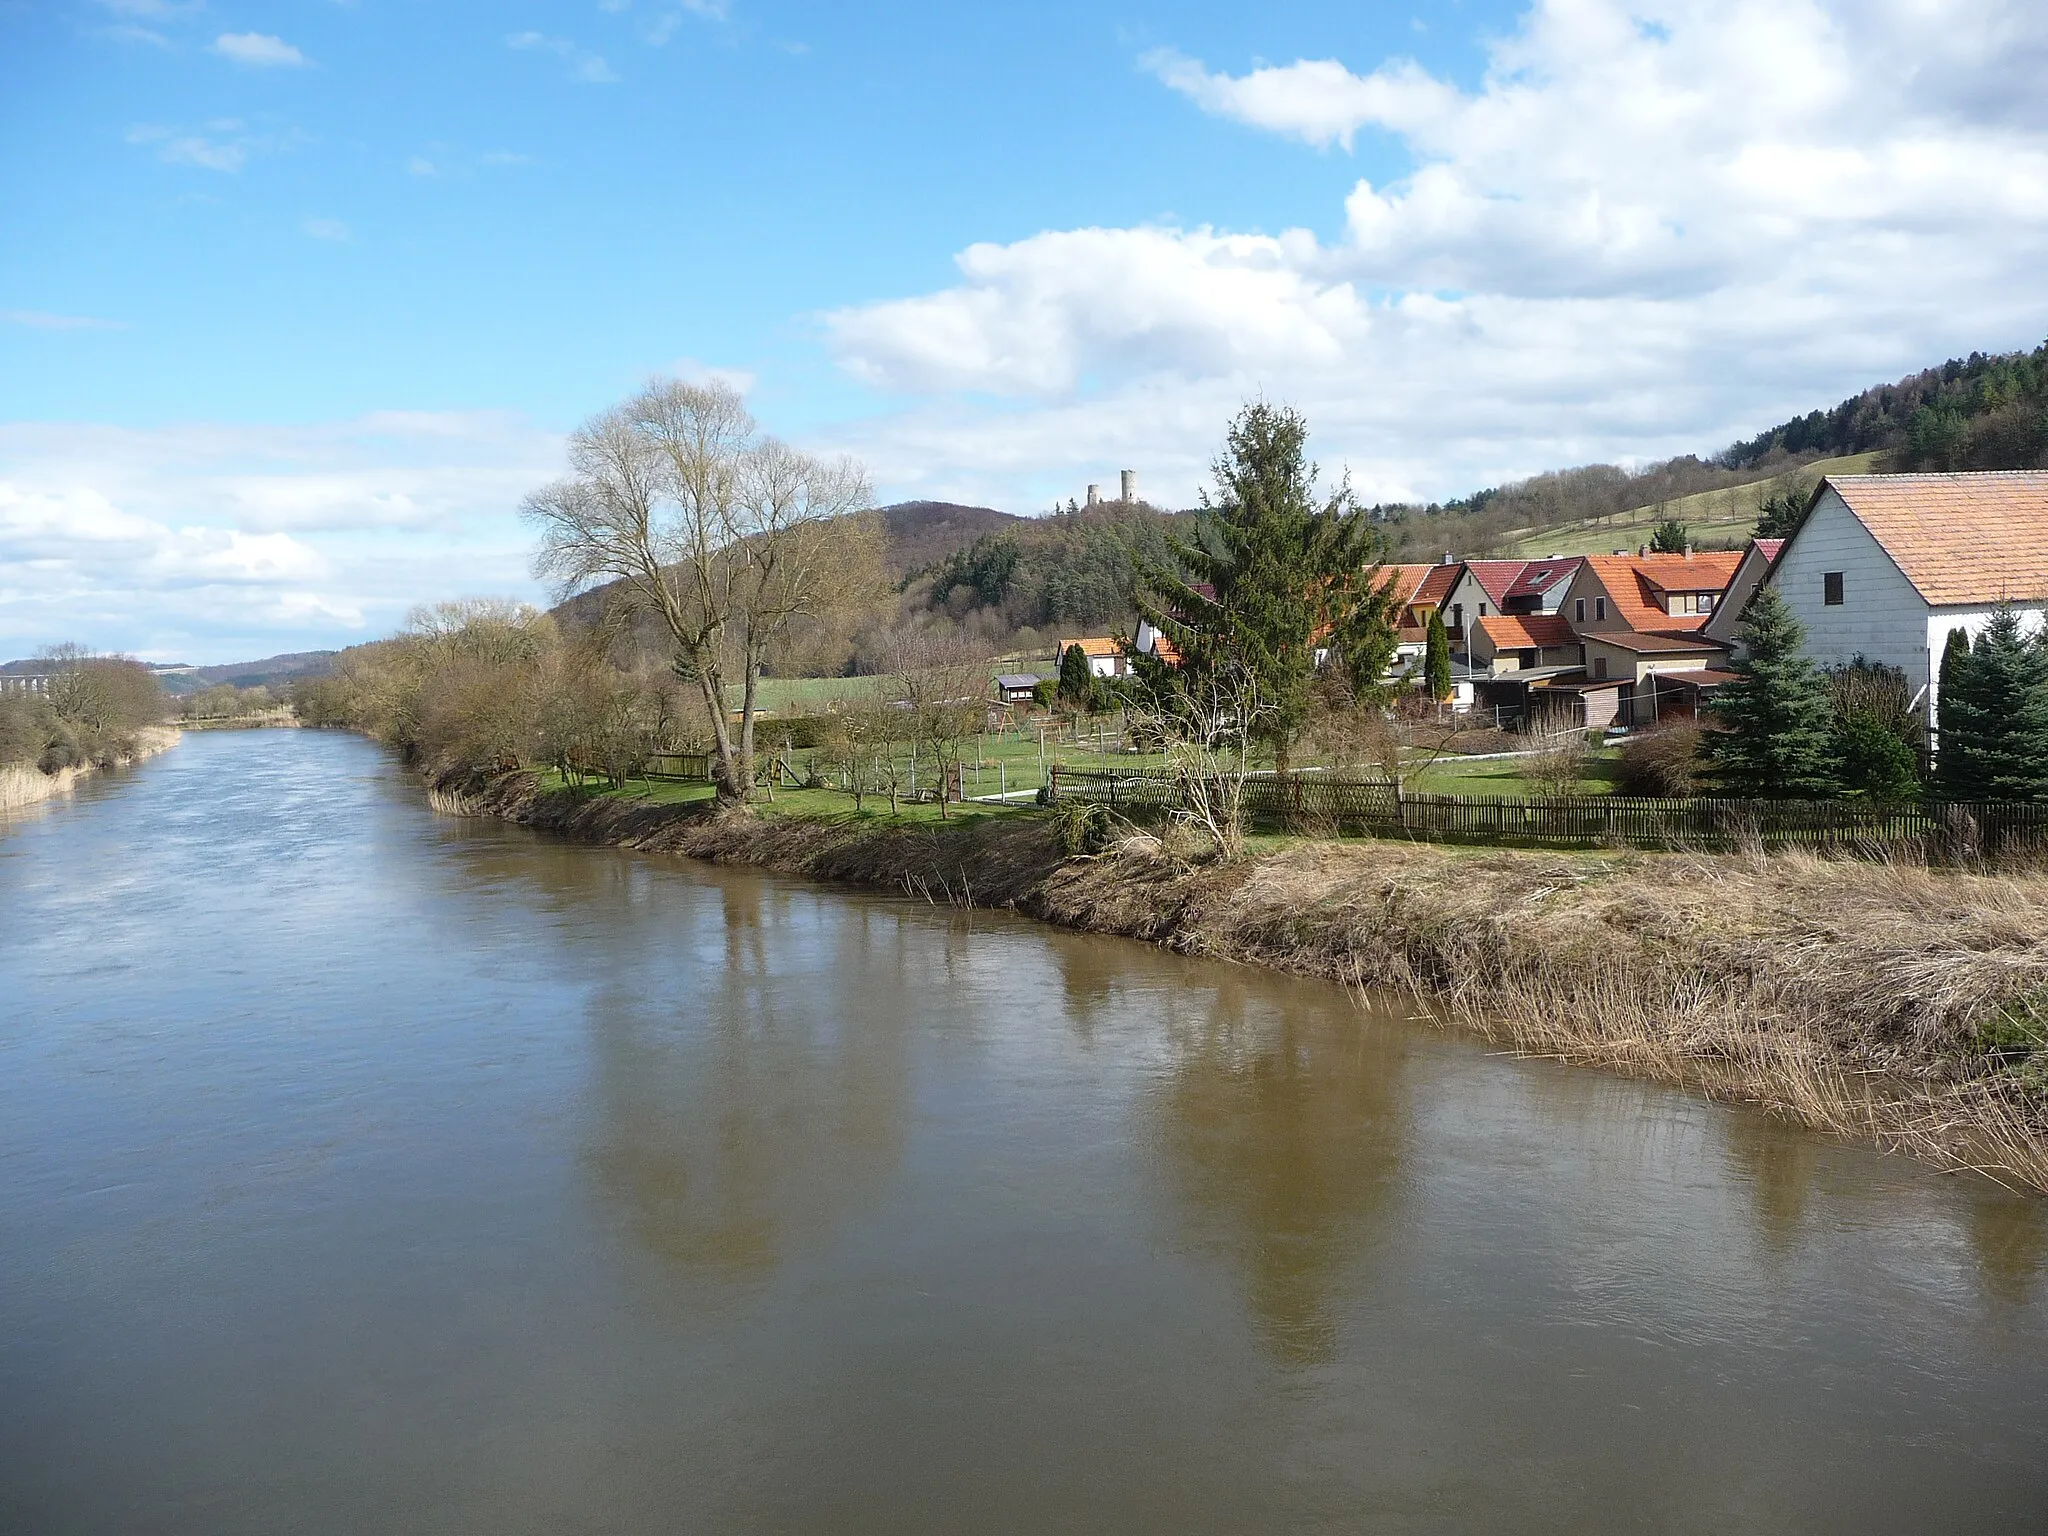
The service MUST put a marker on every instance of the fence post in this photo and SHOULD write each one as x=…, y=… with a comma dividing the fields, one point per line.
x=1053, y=795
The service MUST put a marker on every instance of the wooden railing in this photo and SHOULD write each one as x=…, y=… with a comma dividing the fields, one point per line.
x=1359, y=803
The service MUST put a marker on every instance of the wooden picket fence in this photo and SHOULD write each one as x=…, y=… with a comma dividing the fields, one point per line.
x=1371, y=804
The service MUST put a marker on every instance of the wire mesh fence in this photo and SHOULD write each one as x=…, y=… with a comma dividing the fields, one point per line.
x=1372, y=804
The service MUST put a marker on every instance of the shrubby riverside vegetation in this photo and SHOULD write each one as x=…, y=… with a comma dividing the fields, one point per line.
x=91, y=715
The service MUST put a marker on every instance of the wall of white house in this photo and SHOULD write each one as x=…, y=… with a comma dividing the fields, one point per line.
x=1881, y=615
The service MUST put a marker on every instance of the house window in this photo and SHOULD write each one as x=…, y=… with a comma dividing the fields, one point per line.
x=1578, y=610
x=1706, y=602
x=1457, y=615
x=1831, y=588
x=1600, y=610
x=1482, y=610
x=1599, y=666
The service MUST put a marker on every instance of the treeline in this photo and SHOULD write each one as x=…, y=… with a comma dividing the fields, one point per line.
x=1072, y=570
x=1984, y=411
x=1488, y=520
x=476, y=687
x=94, y=707
x=224, y=701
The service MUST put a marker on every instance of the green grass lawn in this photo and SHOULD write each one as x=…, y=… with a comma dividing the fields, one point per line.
x=1503, y=778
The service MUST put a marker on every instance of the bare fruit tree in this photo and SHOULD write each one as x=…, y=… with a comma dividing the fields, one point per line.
x=728, y=537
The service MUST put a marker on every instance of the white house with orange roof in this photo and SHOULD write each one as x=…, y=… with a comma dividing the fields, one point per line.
x=1884, y=566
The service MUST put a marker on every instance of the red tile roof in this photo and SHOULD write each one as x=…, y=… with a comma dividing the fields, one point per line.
x=1539, y=576
x=1526, y=631
x=1496, y=577
x=1436, y=586
x=1967, y=538
x=1097, y=645
x=1769, y=547
x=1403, y=580
x=1634, y=582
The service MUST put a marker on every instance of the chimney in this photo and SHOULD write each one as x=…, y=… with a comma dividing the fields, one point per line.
x=1130, y=487
x=1642, y=550
x=1094, y=495
x=1688, y=551
x=1447, y=558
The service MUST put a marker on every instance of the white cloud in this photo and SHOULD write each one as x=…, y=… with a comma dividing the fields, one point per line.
x=43, y=320
x=207, y=151
x=258, y=50
x=1316, y=100
x=213, y=542
x=420, y=165
x=325, y=229
x=1627, y=240
x=588, y=68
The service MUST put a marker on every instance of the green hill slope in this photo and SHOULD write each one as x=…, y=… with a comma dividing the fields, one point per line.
x=1717, y=519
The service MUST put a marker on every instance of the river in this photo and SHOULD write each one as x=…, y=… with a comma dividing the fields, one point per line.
x=367, y=1170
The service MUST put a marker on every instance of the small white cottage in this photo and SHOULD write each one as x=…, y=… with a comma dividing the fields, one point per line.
x=1884, y=566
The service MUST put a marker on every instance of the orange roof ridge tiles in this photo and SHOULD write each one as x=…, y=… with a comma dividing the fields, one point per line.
x=1526, y=631
x=1961, y=539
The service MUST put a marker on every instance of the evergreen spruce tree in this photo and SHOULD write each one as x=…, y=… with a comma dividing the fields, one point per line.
x=1962, y=721
x=2006, y=710
x=1436, y=660
x=1289, y=573
x=1077, y=683
x=1670, y=538
x=1874, y=761
x=1776, y=740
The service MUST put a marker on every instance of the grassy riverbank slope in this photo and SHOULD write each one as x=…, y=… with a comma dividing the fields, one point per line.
x=1902, y=1005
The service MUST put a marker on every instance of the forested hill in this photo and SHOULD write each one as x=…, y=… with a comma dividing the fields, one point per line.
x=922, y=533
x=1984, y=411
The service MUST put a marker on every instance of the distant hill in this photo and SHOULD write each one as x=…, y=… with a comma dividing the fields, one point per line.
x=266, y=673
x=1985, y=411
x=922, y=533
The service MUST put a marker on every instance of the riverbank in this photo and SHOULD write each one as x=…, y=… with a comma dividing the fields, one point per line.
x=22, y=787
x=1893, y=1003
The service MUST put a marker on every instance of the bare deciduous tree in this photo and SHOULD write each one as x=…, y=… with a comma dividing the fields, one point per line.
x=729, y=537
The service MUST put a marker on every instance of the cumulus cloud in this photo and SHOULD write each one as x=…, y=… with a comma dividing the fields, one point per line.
x=1649, y=228
x=258, y=50
x=212, y=542
x=587, y=68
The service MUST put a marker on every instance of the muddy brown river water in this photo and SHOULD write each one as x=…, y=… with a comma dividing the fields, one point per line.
x=365, y=1170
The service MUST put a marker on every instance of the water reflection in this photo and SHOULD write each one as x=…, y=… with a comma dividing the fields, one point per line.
x=741, y=1122
x=1282, y=1131
x=1777, y=1163
x=2009, y=1234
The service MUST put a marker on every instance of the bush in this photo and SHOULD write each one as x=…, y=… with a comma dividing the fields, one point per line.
x=1662, y=764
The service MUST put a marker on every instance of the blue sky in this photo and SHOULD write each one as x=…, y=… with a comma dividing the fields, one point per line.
x=298, y=298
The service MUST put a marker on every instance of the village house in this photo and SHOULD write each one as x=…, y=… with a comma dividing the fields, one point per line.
x=1105, y=655
x=1884, y=566
x=1508, y=642
x=1755, y=564
x=1639, y=617
x=1479, y=591
x=1541, y=586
